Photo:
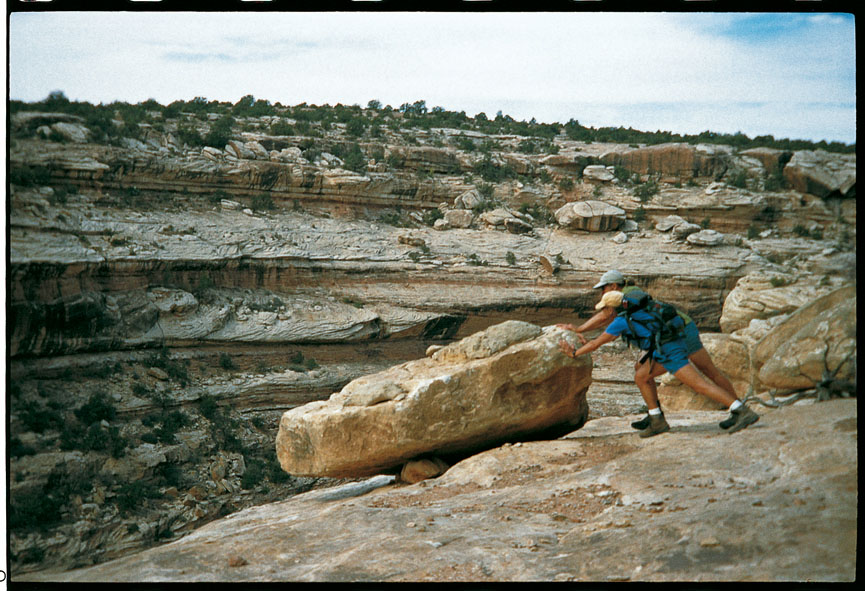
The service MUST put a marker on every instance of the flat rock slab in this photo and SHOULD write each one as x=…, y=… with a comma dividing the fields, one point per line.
x=774, y=502
x=505, y=382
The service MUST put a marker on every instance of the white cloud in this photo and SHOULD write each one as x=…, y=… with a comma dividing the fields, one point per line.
x=463, y=61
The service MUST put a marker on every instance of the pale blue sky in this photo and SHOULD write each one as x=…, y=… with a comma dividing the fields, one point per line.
x=789, y=75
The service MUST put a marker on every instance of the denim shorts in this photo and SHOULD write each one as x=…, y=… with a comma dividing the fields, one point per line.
x=692, y=338
x=673, y=356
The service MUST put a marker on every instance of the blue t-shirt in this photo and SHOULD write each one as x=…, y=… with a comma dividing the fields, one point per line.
x=619, y=325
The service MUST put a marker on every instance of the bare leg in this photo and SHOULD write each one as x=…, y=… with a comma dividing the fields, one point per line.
x=703, y=362
x=645, y=380
x=689, y=376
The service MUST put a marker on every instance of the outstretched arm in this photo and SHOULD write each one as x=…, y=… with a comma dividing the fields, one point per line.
x=566, y=348
x=599, y=320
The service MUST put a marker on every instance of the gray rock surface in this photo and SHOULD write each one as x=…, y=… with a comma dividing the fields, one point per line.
x=600, y=504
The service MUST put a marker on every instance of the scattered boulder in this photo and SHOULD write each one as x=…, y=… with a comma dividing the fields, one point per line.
x=598, y=173
x=593, y=216
x=705, y=237
x=468, y=200
x=422, y=469
x=678, y=227
x=459, y=218
x=73, y=132
x=500, y=384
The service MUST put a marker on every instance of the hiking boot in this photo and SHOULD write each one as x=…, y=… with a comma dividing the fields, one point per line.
x=742, y=417
x=641, y=424
x=729, y=421
x=657, y=424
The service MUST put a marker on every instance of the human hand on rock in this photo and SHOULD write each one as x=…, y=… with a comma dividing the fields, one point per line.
x=566, y=348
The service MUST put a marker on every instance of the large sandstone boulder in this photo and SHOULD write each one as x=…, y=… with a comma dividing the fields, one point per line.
x=500, y=384
x=822, y=174
x=594, y=216
x=819, y=334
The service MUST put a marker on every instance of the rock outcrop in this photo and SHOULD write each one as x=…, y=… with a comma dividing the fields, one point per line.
x=822, y=174
x=507, y=382
x=820, y=336
x=765, y=295
x=598, y=505
x=675, y=160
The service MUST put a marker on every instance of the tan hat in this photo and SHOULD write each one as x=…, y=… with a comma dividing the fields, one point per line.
x=611, y=299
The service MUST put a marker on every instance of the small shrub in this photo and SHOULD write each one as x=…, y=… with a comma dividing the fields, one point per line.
x=97, y=408
x=566, y=184
x=225, y=362
x=431, y=215
x=646, y=191
x=622, y=173
x=777, y=281
x=774, y=182
x=511, y=258
x=29, y=176
x=738, y=179
x=705, y=223
x=208, y=407
x=465, y=144
x=38, y=419
x=131, y=495
x=639, y=214
x=753, y=232
x=263, y=202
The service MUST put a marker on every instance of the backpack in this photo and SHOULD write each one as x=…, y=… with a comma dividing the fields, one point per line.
x=660, y=325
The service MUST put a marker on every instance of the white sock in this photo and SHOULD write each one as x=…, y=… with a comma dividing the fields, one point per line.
x=736, y=405
x=655, y=411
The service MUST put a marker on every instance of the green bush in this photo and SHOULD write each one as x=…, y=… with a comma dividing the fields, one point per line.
x=511, y=258
x=189, y=136
x=355, y=160
x=622, y=173
x=133, y=494
x=281, y=127
x=465, y=144
x=774, y=182
x=738, y=179
x=38, y=419
x=539, y=213
x=639, y=214
x=263, y=202
x=646, y=191
x=225, y=362
x=431, y=215
x=566, y=184
x=97, y=408
x=29, y=176
x=220, y=132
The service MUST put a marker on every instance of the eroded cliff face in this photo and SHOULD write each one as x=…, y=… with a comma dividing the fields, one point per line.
x=168, y=303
